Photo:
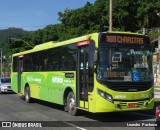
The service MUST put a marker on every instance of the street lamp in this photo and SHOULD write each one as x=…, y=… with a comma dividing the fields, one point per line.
x=21, y=40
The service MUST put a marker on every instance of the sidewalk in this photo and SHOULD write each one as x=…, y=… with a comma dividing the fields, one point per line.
x=157, y=94
x=157, y=85
x=157, y=88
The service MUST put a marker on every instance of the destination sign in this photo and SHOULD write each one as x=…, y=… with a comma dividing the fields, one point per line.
x=124, y=39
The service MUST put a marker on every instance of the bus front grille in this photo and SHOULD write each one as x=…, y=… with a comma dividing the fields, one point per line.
x=125, y=104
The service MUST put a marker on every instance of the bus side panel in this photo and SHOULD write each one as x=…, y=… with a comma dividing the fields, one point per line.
x=56, y=83
x=49, y=86
x=92, y=97
x=14, y=82
x=53, y=83
x=35, y=81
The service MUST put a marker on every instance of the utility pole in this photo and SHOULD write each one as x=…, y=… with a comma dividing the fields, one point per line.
x=110, y=16
x=159, y=53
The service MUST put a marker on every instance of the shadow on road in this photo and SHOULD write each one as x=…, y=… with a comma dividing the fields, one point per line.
x=152, y=112
x=124, y=116
x=106, y=117
x=8, y=92
x=118, y=116
x=48, y=104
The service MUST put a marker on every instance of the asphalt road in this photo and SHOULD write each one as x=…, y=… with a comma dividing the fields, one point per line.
x=15, y=109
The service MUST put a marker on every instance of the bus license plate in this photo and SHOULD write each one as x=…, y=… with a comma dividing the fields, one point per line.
x=133, y=105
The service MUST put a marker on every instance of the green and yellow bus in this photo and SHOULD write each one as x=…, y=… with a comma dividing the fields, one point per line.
x=99, y=72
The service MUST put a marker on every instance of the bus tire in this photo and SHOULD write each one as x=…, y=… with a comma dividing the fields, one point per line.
x=65, y=107
x=27, y=95
x=71, y=104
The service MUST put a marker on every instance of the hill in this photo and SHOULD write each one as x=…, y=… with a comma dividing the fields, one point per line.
x=12, y=32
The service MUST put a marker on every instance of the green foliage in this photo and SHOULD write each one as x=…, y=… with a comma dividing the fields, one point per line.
x=12, y=32
x=128, y=15
x=147, y=13
x=154, y=33
x=9, y=49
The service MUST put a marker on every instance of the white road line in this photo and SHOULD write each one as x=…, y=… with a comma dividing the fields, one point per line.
x=75, y=126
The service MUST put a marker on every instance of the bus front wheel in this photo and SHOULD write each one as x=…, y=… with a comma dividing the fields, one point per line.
x=71, y=104
x=27, y=95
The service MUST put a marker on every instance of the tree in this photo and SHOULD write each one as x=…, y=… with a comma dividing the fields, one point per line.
x=128, y=15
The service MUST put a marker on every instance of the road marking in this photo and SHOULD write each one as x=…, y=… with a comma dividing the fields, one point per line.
x=75, y=126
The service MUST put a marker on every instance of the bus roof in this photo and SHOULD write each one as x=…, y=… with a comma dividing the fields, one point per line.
x=53, y=44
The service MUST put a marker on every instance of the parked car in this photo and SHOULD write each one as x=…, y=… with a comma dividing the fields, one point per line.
x=158, y=113
x=5, y=84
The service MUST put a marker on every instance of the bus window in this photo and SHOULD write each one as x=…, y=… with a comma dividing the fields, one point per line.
x=53, y=59
x=68, y=58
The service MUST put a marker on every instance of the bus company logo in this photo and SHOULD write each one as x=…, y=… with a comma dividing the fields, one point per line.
x=57, y=80
x=31, y=79
x=120, y=96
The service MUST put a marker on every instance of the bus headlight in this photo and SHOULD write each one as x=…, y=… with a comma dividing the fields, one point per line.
x=105, y=95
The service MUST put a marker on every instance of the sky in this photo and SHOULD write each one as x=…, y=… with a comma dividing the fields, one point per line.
x=34, y=14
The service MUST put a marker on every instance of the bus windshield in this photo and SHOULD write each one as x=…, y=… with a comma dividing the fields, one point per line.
x=124, y=64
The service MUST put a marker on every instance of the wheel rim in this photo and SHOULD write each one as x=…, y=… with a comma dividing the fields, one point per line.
x=71, y=104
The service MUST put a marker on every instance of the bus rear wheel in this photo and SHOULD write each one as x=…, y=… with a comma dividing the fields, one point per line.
x=27, y=96
x=71, y=104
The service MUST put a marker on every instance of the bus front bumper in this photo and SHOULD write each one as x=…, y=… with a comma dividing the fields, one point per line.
x=118, y=106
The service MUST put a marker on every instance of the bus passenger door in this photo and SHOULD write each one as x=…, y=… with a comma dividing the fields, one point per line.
x=20, y=69
x=82, y=77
